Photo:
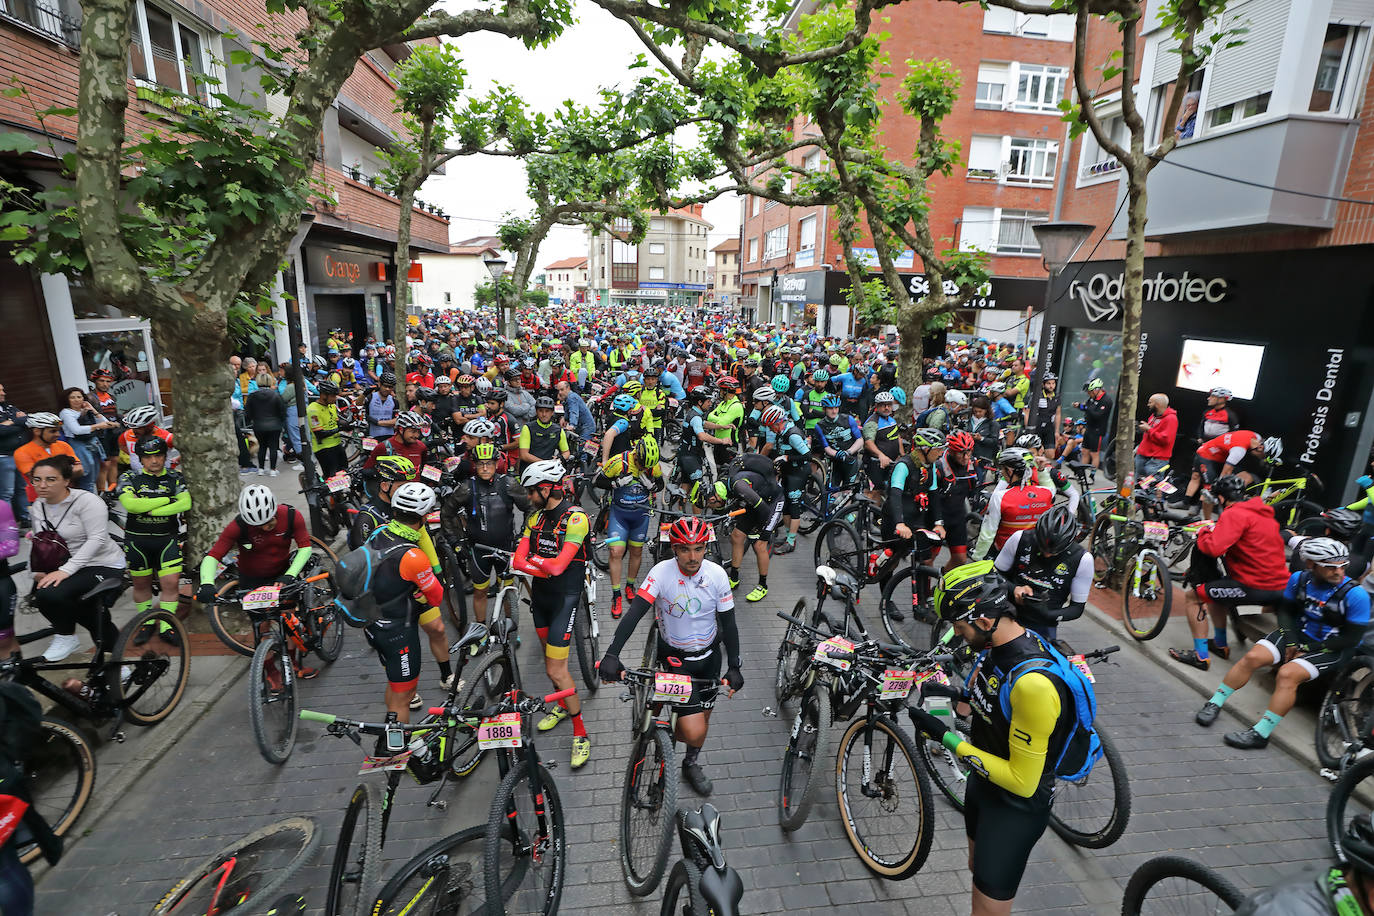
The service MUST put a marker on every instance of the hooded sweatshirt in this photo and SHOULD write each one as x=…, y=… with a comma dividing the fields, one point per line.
x=1247, y=538
x=1159, y=436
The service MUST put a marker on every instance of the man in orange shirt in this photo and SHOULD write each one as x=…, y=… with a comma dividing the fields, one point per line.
x=44, y=444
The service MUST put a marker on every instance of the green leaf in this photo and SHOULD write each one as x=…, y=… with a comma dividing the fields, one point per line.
x=12, y=142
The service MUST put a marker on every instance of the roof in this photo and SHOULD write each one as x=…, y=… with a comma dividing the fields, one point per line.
x=478, y=245
x=730, y=244
x=568, y=264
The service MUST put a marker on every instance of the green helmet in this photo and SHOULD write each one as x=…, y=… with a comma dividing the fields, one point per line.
x=927, y=437
x=1093, y=384
x=972, y=590
x=395, y=467
x=820, y=375
x=781, y=383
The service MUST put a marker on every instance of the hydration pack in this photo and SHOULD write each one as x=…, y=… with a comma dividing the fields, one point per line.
x=1082, y=748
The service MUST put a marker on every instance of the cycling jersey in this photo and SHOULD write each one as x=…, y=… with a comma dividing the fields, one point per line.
x=913, y=497
x=403, y=570
x=623, y=432
x=1228, y=448
x=153, y=502
x=1010, y=508
x=698, y=371
x=810, y=404
x=632, y=486
x=1327, y=608
x=547, y=531
x=1217, y=421
x=686, y=606
x=839, y=434
x=375, y=515
x=543, y=441
x=1060, y=581
x=1051, y=478
x=692, y=428
x=487, y=508
x=263, y=553
x=392, y=445
x=324, y=425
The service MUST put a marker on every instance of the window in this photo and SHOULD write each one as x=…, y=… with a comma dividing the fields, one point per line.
x=756, y=206
x=48, y=17
x=656, y=273
x=448, y=298
x=1094, y=159
x=992, y=85
x=1039, y=88
x=1032, y=161
x=1186, y=125
x=753, y=248
x=806, y=242
x=168, y=51
x=657, y=248
x=1028, y=25
x=621, y=224
x=1340, y=62
x=984, y=157
x=1237, y=111
x=775, y=243
x=1014, y=235
x=656, y=225
x=812, y=161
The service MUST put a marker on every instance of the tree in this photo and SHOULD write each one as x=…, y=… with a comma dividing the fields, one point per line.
x=484, y=294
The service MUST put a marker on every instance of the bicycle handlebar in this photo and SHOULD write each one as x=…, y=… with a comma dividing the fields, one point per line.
x=1098, y=654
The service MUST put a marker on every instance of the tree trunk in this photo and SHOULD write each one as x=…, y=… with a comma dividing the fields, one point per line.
x=1128, y=394
x=400, y=319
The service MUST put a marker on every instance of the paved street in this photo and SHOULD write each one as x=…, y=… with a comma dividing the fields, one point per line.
x=1191, y=795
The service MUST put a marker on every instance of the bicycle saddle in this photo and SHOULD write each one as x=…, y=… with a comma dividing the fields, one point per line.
x=475, y=634
x=838, y=579
x=1077, y=466
x=720, y=884
x=111, y=587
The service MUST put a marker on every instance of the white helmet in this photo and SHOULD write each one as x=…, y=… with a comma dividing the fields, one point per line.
x=257, y=504
x=1324, y=551
x=43, y=421
x=764, y=394
x=481, y=428
x=1273, y=448
x=414, y=497
x=140, y=416
x=483, y=384
x=884, y=397
x=956, y=397
x=409, y=419
x=550, y=470
x=1220, y=393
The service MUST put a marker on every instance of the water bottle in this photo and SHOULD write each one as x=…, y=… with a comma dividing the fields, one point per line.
x=1128, y=487
x=419, y=749
x=876, y=558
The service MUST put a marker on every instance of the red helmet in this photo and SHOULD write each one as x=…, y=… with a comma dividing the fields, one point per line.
x=727, y=383
x=689, y=530
x=959, y=441
x=501, y=359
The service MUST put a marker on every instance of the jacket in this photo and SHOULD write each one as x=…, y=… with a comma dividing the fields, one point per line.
x=1247, y=538
x=1158, y=441
x=265, y=410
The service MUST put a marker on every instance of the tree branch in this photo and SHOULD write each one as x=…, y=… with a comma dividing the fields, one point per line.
x=1085, y=96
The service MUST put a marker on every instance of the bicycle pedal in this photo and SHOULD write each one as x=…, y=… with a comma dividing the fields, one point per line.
x=117, y=737
x=441, y=804
x=1329, y=774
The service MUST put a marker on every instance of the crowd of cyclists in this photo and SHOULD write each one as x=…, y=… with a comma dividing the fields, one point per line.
x=581, y=410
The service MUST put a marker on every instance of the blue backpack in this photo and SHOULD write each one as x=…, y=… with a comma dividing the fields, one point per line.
x=1083, y=747
x=354, y=574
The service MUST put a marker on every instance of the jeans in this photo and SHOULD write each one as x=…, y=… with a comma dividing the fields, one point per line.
x=89, y=462
x=293, y=429
x=1144, y=467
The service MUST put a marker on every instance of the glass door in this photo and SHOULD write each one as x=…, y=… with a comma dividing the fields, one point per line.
x=127, y=354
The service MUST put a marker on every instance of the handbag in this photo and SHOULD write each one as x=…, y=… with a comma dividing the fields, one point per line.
x=48, y=549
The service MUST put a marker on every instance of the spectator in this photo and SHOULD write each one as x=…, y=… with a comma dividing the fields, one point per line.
x=1160, y=430
x=44, y=443
x=13, y=433
x=247, y=382
x=80, y=424
x=265, y=411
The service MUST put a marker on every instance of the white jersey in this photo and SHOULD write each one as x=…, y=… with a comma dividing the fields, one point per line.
x=686, y=607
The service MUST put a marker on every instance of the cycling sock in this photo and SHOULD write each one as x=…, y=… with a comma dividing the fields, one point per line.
x=1267, y=723
x=1220, y=637
x=763, y=581
x=1200, y=647
x=690, y=757
x=734, y=573
x=791, y=537
x=579, y=730
x=1221, y=696
x=629, y=582
x=142, y=606
x=446, y=670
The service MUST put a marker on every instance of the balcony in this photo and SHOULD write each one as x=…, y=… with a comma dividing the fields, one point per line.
x=625, y=275
x=1300, y=152
x=45, y=18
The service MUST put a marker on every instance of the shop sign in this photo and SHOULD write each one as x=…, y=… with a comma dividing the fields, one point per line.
x=1320, y=414
x=868, y=257
x=332, y=267
x=650, y=293
x=1102, y=293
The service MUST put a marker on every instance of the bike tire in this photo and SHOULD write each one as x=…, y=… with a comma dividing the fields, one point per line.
x=1346, y=712
x=454, y=602
x=329, y=643
x=356, y=869
x=912, y=843
x=1103, y=546
x=272, y=709
x=506, y=811
x=682, y=892
x=588, y=651
x=247, y=855
x=232, y=624
x=813, y=494
x=839, y=547
x=946, y=770
x=1289, y=512
x=806, y=749
x=59, y=775
x=1150, y=880
x=601, y=552
x=150, y=680
x=329, y=522
x=484, y=686
x=1094, y=833
x=644, y=853
x=791, y=660
x=1336, y=803
x=430, y=882
x=899, y=595
x=288, y=904
x=1147, y=592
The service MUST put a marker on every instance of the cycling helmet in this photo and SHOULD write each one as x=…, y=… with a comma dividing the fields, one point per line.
x=956, y=397
x=830, y=400
x=959, y=441
x=1324, y=551
x=387, y=379
x=1273, y=448
x=1050, y=377
x=820, y=375
x=1014, y=458
x=480, y=428
x=257, y=505
x=727, y=383
x=319, y=362
x=47, y=420
x=541, y=472
x=527, y=362
x=545, y=402
x=501, y=360
x=835, y=359
x=774, y=417
x=512, y=374
x=1342, y=522
x=781, y=384
x=1230, y=488
x=425, y=393
x=498, y=395
x=898, y=394
x=555, y=359
x=150, y=445
x=634, y=388
x=1093, y=384
x=140, y=416
x=102, y=373
x=1357, y=845
x=409, y=419
x=414, y=497
x=972, y=590
x=926, y=437
x=764, y=394
x=465, y=380
x=623, y=404
x=1029, y=440
x=1220, y=393
x=996, y=388
x=689, y=530
x=483, y=384
x=327, y=387
x=484, y=451
x=699, y=393
x=1055, y=531
x=646, y=452
x=933, y=374
x=883, y=397
x=395, y=467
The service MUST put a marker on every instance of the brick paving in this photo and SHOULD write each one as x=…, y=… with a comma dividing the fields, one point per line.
x=1253, y=815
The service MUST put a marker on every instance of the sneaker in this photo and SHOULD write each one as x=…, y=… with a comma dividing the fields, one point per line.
x=616, y=608
x=696, y=778
x=1189, y=657
x=262, y=472
x=757, y=594
x=785, y=547
x=61, y=646
x=556, y=715
x=297, y=466
x=1248, y=740
x=273, y=473
x=1207, y=714
x=144, y=634
x=416, y=702
x=581, y=752
x=1218, y=651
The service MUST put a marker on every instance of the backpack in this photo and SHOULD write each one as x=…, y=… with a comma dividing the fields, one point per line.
x=354, y=576
x=924, y=416
x=1083, y=747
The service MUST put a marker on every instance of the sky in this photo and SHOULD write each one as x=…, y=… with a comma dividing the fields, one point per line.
x=477, y=192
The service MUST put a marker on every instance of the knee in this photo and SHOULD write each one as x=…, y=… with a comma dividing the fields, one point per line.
x=1291, y=675
x=435, y=627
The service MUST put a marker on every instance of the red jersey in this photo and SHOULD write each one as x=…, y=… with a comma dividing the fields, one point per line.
x=1017, y=509
x=392, y=445
x=1223, y=447
x=529, y=380
x=264, y=553
x=698, y=371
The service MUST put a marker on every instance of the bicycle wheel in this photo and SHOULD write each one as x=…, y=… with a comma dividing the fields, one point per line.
x=1347, y=711
x=681, y=894
x=1147, y=591
x=791, y=660
x=59, y=774
x=454, y=602
x=485, y=685
x=813, y=501
x=884, y=797
x=232, y=624
x=253, y=868
x=1173, y=884
x=288, y=904
x=804, y=758
x=272, y=699
x=947, y=771
x=444, y=879
x=357, y=862
x=648, y=805
x=588, y=647
x=907, y=614
x=1339, y=808
x=1104, y=547
x=1288, y=512
x=1094, y=813
x=329, y=522
x=515, y=840
x=330, y=628
x=150, y=679
x=838, y=546
x=601, y=553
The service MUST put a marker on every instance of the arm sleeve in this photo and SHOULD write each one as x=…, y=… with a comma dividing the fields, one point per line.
x=138, y=505
x=426, y=545
x=1034, y=714
x=415, y=568
x=1007, y=555
x=639, y=606
x=895, y=484
x=182, y=503
x=298, y=560
x=799, y=444
x=1082, y=585
x=729, y=635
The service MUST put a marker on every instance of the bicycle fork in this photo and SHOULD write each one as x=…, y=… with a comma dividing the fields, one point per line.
x=870, y=789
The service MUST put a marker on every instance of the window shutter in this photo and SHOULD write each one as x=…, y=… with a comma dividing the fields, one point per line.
x=1250, y=68
x=1166, y=60
x=1351, y=12
x=985, y=153
x=978, y=231
x=992, y=73
x=999, y=19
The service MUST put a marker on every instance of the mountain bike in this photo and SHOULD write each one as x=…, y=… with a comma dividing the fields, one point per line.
x=444, y=878
x=1174, y=884
x=701, y=883
x=649, y=796
x=1345, y=719
x=907, y=604
x=1289, y=495
x=823, y=500
x=247, y=875
x=1147, y=588
x=238, y=629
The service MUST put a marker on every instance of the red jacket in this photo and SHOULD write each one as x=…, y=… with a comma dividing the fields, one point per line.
x=1159, y=437
x=1247, y=538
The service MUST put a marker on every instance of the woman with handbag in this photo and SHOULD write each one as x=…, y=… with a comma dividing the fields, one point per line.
x=71, y=553
x=81, y=424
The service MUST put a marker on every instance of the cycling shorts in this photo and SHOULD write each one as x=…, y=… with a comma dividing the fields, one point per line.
x=877, y=475
x=1315, y=663
x=842, y=471
x=486, y=567
x=1004, y=829
x=1231, y=592
x=398, y=645
x=553, y=612
x=1092, y=438
x=956, y=529
x=761, y=520
x=153, y=554
x=689, y=467
x=794, y=475
x=1208, y=469
x=629, y=526
x=703, y=663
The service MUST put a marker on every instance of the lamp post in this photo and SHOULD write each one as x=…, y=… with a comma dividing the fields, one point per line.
x=496, y=266
x=1059, y=242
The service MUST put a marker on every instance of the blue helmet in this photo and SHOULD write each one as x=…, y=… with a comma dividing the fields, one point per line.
x=624, y=403
x=830, y=400
x=898, y=394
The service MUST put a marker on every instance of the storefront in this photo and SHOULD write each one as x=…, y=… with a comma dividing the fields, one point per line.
x=1290, y=333
x=999, y=312
x=347, y=287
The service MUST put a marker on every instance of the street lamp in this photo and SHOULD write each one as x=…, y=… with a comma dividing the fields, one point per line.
x=496, y=266
x=1059, y=242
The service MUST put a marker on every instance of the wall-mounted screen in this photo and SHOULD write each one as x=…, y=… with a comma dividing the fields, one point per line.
x=1209, y=364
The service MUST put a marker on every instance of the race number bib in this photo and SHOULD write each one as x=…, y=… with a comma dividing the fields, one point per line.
x=1166, y=488
x=432, y=519
x=430, y=472
x=385, y=764
x=1079, y=662
x=369, y=444
x=501, y=731
x=451, y=462
x=338, y=483
x=672, y=688
x=835, y=645
x=896, y=685
x=259, y=598
x=1156, y=531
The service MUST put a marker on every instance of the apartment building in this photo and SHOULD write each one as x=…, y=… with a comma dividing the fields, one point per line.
x=1259, y=274
x=671, y=266
x=725, y=273
x=449, y=280
x=567, y=281
x=342, y=271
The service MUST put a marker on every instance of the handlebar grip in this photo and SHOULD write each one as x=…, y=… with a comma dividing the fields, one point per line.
x=562, y=694
x=790, y=619
x=1103, y=653
x=438, y=710
x=734, y=512
x=892, y=648
x=310, y=715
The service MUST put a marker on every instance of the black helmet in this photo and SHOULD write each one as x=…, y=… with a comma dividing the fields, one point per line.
x=1055, y=531
x=497, y=394
x=388, y=379
x=699, y=393
x=512, y=374
x=544, y=401
x=150, y=445
x=425, y=393
x=1357, y=846
x=1342, y=522
x=327, y=387
x=1230, y=488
